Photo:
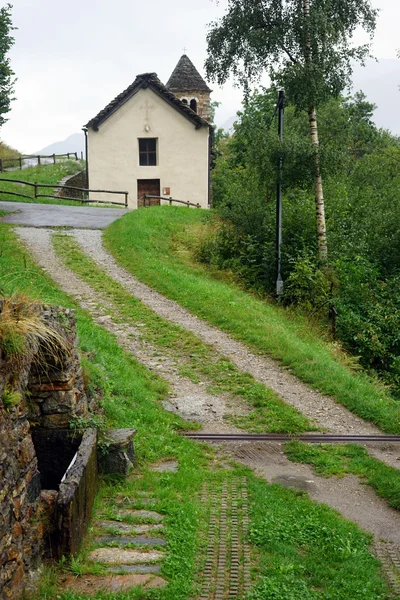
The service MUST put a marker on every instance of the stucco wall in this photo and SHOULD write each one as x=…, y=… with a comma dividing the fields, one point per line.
x=182, y=162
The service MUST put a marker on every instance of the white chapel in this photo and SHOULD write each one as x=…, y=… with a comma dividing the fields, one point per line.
x=154, y=139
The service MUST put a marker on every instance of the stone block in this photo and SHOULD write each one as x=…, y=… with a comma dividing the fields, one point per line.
x=120, y=456
x=59, y=403
x=57, y=421
x=26, y=451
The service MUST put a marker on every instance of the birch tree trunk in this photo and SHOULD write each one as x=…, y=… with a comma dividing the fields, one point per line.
x=312, y=120
x=318, y=191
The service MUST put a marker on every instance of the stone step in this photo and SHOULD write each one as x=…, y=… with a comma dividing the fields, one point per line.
x=91, y=584
x=128, y=528
x=168, y=466
x=141, y=514
x=126, y=540
x=135, y=569
x=127, y=556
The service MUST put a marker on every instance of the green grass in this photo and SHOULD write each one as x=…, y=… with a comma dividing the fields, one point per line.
x=197, y=360
x=295, y=538
x=328, y=460
x=306, y=550
x=8, y=152
x=144, y=242
x=48, y=174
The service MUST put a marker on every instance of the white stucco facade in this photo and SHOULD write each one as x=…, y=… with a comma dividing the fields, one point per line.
x=182, y=150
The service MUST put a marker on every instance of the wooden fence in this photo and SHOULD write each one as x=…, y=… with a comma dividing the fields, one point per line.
x=4, y=162
x=169, y=200
x=86, y=191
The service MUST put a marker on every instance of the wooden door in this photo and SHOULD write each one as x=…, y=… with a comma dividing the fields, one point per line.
x=148, y=187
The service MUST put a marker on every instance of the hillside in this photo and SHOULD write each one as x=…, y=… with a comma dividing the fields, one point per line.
x=164, y=372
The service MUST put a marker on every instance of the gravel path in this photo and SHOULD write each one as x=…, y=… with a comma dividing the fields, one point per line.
x=354, y=500
x=322, y=410
x=189, y=400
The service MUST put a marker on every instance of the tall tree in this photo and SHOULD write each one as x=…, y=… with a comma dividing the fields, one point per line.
x=305, y=46
x=6, y=73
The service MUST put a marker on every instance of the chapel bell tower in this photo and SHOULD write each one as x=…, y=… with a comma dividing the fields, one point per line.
x=188, y=85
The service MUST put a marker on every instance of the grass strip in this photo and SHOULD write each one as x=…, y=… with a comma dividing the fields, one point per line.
x=196, y=359
x=295, y=537
x=48, y=174
x=303, y=546
x=144, y=242
x=328, y=460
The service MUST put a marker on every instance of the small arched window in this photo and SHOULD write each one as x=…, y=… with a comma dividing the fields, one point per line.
x=193, y=105
x=184, y=101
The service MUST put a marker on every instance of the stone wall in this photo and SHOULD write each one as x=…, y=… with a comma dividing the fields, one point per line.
x=77, y=180
x=21, y=530
x=202, y=99
x=41, y=387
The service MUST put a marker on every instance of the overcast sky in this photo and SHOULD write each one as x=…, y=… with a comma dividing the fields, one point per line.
x=71, y=57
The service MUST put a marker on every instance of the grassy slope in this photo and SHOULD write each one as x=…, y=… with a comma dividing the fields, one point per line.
x=8, y=152
x=143, y=242
x=307, y=550
x=49, y=174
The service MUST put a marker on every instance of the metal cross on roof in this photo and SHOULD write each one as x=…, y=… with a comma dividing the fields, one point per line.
x=184, y=50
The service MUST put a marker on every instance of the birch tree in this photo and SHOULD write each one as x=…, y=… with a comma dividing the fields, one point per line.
x=306, y=47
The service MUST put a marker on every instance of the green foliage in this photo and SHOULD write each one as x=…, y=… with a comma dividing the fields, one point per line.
x=307, y=286
x=309, y=56
x=369, y=318
x=6, y=73
x=362, y=183
x=10, y=397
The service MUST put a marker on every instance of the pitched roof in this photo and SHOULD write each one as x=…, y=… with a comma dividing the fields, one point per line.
x=185, y=77
x=143, y=81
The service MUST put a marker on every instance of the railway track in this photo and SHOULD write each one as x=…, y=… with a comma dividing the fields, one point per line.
x=320, y=438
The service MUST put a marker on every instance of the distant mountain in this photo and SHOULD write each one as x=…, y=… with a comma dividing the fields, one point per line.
x=228, y=124
x=73, y=143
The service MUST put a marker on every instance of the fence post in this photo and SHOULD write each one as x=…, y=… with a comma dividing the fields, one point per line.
x=170, y=200
x=126, y=199
x=1, y=165
x=54, y=158
x=81, y=155
x=188, y=204
x=198, y=205
x=20, y=163
x=76, y=156
x=35, y=184
x=38, y=160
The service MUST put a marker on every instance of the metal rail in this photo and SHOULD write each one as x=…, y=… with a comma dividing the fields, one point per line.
x=320, y=438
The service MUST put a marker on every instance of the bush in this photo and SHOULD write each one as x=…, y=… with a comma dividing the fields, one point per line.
x=368, y=320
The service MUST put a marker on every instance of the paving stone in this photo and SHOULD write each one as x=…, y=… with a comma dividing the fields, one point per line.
x=123, y=540
x=141, y=514
x=135, y=569
x=127, y=556
x=168, y=466
x=298, y=482
x=129, y=527
x=91, y=584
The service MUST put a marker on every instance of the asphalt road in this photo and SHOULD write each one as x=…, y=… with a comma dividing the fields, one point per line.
x=57, y=215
